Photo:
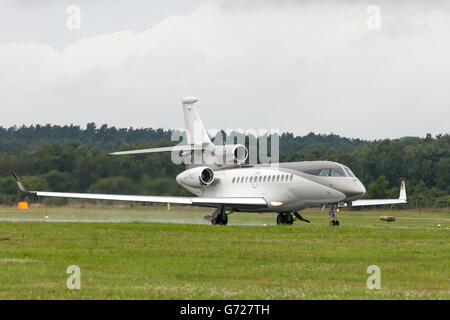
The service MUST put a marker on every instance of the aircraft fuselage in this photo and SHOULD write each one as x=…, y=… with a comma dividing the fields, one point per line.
x=286, y=187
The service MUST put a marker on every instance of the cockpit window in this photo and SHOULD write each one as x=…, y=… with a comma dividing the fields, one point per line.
x=349, y=172
x=337, y=173
x=332, y=173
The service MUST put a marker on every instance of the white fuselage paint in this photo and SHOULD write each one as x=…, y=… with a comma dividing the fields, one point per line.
x=291, y=194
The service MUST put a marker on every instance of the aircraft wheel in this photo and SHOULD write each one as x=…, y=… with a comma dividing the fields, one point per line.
x=224, y=219
x=289, y=218
x=221, y=220
x=219, y=216
x=280, y=219
x=285, y=218
x=334, y=223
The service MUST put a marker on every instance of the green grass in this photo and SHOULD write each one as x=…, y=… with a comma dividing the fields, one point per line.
x=139, y=260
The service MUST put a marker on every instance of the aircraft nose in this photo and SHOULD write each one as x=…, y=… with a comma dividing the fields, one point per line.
x=356, y=190
x=363, y=189
x=359, y=188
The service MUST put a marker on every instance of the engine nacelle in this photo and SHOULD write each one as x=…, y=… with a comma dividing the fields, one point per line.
x=196, y=177
x=230, y=154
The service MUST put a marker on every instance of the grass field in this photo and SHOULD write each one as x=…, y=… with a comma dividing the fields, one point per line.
x=161, y=254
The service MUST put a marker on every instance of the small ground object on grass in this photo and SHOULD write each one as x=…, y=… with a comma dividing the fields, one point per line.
x=5, y=238
x=22, y=205
x=387, y=218
x=16, y=260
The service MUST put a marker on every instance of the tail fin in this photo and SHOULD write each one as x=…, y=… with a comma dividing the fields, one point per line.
x=402, y=195
x=196, y=133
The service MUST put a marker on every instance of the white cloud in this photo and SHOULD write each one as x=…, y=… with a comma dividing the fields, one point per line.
x=310, y=66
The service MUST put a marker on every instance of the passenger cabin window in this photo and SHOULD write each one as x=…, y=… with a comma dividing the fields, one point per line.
x=324, y=172
x=292, y=176
x=232, y=180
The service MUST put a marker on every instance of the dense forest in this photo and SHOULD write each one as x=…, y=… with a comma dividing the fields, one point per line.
x=68, y=158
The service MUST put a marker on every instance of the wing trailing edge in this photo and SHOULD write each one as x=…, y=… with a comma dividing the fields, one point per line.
x=247, y=202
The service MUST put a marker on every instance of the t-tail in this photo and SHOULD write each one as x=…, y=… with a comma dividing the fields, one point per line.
x=198, y=143
x=196, y=135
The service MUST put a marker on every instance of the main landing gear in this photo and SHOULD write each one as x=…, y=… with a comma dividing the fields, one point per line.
x=333, y=215
x=219, y=216
x=287, y=218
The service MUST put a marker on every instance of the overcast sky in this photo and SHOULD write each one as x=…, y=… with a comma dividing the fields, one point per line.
x=297, y=66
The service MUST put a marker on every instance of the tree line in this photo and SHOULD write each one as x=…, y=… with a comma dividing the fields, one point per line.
x=68, y=158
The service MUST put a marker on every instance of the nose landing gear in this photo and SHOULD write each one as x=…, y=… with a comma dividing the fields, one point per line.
x=333, y=215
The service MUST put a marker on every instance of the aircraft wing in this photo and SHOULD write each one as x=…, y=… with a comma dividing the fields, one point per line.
x=247, y=202
x=155, y=150
x=377, y=202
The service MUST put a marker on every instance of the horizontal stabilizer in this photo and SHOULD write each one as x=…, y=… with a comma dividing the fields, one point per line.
x=156, y=150
x=376, y=202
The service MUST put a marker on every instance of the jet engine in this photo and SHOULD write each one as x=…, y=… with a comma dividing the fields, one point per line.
x=230, y=154
x=240, y=153
x=196, y=177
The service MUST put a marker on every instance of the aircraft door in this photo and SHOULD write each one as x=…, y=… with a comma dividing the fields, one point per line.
x=255, y=180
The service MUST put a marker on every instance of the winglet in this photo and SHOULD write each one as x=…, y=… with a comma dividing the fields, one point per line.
x=402, y=195
x=20, y=184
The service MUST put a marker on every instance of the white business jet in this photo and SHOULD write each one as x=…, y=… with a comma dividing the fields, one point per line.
x=233, y=186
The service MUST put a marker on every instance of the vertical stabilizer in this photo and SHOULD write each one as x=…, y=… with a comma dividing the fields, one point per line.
x=402, y=195
x=196, y=133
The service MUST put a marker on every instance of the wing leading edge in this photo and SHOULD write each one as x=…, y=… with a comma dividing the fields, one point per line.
x=246, y=202
x=376, y=202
